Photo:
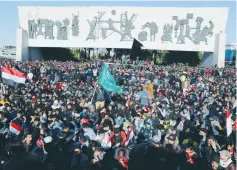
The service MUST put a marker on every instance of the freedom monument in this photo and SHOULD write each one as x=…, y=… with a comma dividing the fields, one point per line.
x=158, y=28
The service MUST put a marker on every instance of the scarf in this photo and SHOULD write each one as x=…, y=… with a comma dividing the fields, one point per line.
x=225, y=164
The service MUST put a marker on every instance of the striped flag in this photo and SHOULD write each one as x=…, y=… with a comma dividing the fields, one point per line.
x=228, y=121
x=130, y=137
x=146, y=109
x=15, y=128
x=69, y=101
x=12, y=77
x=75, y=114
x=84, y=121
x=128, y=102
x=126, y=73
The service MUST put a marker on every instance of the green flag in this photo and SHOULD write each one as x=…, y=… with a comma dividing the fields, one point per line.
x=106, y=80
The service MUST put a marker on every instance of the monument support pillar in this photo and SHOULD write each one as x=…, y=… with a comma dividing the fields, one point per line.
x=217, y=58
x=22, y=45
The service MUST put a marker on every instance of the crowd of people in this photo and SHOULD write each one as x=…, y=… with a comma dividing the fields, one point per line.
x=167, y=118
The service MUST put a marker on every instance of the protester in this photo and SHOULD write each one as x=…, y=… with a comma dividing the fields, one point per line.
x=171, y=117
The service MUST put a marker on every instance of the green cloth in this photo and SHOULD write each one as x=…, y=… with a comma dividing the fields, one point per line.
x=107, y=81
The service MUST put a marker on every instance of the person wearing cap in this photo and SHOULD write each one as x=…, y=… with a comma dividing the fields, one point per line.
x=173, y=142
x=226, y=161
x=117, y=137
x=215, y=162
x=171, y=131
x=156, y=141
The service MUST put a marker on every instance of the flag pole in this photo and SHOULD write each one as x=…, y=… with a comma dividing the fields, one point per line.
x=94, y=93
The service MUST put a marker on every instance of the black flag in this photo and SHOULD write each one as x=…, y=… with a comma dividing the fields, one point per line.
x=136, y=49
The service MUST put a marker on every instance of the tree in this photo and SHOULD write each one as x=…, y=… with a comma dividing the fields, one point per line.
x=60, y=54
x=200, y=55
x=160, y=56
x=190, y=57
x=76, y=53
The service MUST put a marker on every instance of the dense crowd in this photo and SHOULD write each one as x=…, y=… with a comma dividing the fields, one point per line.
x=167, y=118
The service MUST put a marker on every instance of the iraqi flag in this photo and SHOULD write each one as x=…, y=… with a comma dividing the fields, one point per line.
x=75, y=114
x=69, y=101
x=128, y=102
x=146, y=109
x=15, y=128
x=130, y=137
x=12, y=77
x=126, y=73
x=228, y=121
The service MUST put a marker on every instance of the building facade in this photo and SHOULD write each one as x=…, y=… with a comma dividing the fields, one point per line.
x=8, y=51
x=185, y=29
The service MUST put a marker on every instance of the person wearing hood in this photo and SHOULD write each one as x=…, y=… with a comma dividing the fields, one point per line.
x=226, y=161
x=215, y=163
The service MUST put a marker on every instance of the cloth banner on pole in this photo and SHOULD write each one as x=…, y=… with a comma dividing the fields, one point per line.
x=136, y=49
x=107, y=81
x=12, y=77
